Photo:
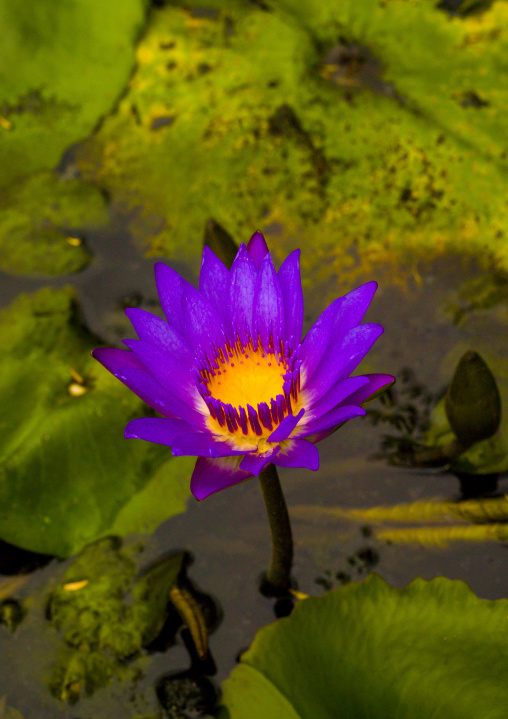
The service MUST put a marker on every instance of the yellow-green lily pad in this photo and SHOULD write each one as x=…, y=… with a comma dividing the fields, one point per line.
x=350, y=125
x=64, y=65
x=370, y=651
x=42, y=220
x=67, y=474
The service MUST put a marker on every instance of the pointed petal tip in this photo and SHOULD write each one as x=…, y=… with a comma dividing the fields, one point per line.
x=257, y=248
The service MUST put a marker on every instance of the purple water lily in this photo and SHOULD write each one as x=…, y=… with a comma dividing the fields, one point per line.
x=229, y=374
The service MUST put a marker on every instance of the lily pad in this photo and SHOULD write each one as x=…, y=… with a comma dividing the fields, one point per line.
x=351, y=124
x=41, y=222
x=370, y=651
x=64, y=66
x=67, y=475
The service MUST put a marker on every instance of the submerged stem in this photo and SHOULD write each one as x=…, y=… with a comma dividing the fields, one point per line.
x=278, y=574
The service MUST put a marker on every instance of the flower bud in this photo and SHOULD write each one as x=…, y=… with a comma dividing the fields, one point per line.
x=473, y=403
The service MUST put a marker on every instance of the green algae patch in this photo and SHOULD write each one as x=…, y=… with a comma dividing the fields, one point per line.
x=42, y=220
x=370, y=651
x=369, y=132
x=65, y=65
x=67, y=474
x=105, y=616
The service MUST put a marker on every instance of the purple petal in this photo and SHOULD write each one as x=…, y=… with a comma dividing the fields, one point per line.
x=291, y=286
x=330, y=419
x=298, y=453
x=212, y=475
x=353, y=308
x=175, y=433
x=342, y=357
x=268, y=314
x=257, y=248
x=168, y=371
x=214, y=283
x=130, y=370
x=342, y=390
x=170, y=288
x=286, y=427
x=204, y=326
x=376, y=382
x=335, y=322
x=116, y=360
x=362, y=396
x=153, y=330
x=179, y=435
x=254, y=463
x=241, y=297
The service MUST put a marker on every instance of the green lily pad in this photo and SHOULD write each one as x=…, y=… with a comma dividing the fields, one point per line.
x=370, y=651
x=67, y=475
x=41, y=220
x=64, y=65
x=262, y=117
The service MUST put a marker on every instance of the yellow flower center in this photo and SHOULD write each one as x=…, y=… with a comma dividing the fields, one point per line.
x=249, y=391
x=253, y=378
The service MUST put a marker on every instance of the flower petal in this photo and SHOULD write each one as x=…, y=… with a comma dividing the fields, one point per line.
x=255, y=463
x=169, y=372
x=183, y=438
x=116, y=360
x=342, y=357
x=257, y=248
x=212, y=475
x=204, y=326
x=153, y=330
x=130, y=370
x=330, y=419
x=214, y=283
x=241, y=293
x=286, y=427
x=291, y=286
x=335, y=322
x=268, y=314
x=175, y=433
x=342, y=391
x=298, y=453
x=170, y=288
x=376, y=383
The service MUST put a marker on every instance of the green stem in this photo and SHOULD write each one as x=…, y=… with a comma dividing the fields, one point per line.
x=279, y=572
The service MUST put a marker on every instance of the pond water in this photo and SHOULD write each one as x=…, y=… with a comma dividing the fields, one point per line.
x=227, y=534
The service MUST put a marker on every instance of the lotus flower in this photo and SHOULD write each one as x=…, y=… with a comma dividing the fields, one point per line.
x=229, y=374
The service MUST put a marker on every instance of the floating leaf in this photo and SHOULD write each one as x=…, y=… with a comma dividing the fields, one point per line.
x=37, y=219
x=234, y=113
x=370, y=651
x=67, y=475
x=64, y=66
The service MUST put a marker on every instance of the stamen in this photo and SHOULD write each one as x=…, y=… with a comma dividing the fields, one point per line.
x=265, y=375
x=254, y=421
